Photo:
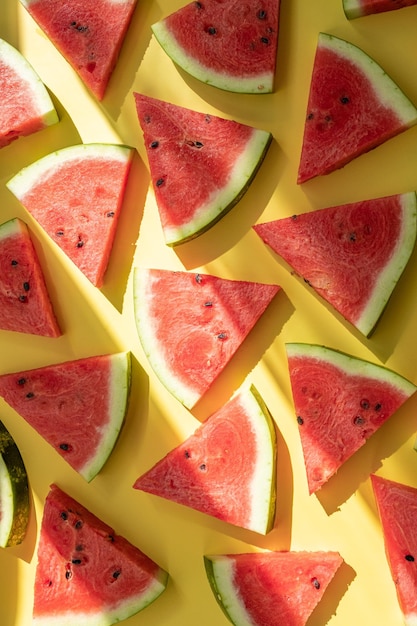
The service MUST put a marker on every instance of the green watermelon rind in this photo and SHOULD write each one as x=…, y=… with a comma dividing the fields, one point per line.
x=352, y=9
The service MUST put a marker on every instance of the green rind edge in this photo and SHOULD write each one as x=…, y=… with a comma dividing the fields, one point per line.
x=352, y=9
x=209, y=566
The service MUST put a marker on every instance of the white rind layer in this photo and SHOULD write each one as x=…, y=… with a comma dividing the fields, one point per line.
x=6, y=504
x=222, y=571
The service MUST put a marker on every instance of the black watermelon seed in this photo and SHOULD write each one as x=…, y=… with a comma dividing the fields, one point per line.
x=80, y=242
x=78, y=524
x=358, y=420
x=159, y=182
x=315, y=583
x=203, y=467
x=187, y=454
x=65, y=446
x=261, y=15
x=110, y=214
x=300, y=420
x=198, y=144
x=76, y=561
x=211, y=30
x=352, y=237
x=59, y=233
x=23, y=298
x=222, y=336
x=409, y=557
x=68, y=574
x=310, y=116
x=198, y=5
x=378, y=406
x=198, y=279
x=364, y=403
x=154, y=144
x=265, y=40
x=64, y=515
x=26, y=286
x=344, y=100
x=21, y=381
x=116, y=573
x=14, y=262
x=30, y=395
x=208, y=304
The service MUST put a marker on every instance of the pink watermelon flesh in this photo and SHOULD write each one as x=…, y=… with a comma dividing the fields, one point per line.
x=339, y=401
x=352, y=255
x=78, y=406
x=88, y=33
x=353, y=106
x=271, y=588
x=86, y=573
x=191, y=325
x=360, y=8
x=24, y=301
x=225, y=469
x=397, y=507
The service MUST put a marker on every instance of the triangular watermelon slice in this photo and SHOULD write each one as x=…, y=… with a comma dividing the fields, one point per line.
x=271, y=588
x=86, y=573
x=76, y=194
x=226, y=468
x=229, y=45
x=201, y=165
x=25, y=306
x=339, y=401
x=88, y=33
x=190, y=325
x=25, y=104
x=360, y=8
x=353, y=107
x=397, y=507
x=76, y=406
x=352, y=255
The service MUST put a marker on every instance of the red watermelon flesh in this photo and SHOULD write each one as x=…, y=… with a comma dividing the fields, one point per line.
x=77, y=406
x=24, y=300
x=353, y=106
x=88, y=33
x=339, y=401
x=86, y=573
x=397, y=507
x=352, y=255
x=229, y=44
x=271, y=588
x=200, y=164
x=226, y=468
x=191, y=325
x=359, y=8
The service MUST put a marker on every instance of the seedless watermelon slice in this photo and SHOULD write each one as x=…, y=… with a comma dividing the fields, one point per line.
x=226, y=468
x=359, y=8
x=230, y=45
x=78, y=406
x=352, y=255
x=76, y=194
x=271, y=588
x=201, y=165
x=88, y=33
x=397, y=507
x=340, y=401
x=190, y=325
x=353, y=106
x=25, y=105
x=86, y=573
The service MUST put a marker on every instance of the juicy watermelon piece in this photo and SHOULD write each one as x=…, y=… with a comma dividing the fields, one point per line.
x=190, y=325
x=351, y=255
x=88, y=33
x=86, y=573
x=230, y=45
x=271, y=588
x=76, y=194
x=25, y=105
x=359, y=8
x=397, y=507
x=340, y=401
x=25, y=306
x=78, y=406
x=14, y=492
x=353, y=107
x=226, y=468
x=201, y=165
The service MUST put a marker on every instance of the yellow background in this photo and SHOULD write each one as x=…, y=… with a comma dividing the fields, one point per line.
x=343, y=516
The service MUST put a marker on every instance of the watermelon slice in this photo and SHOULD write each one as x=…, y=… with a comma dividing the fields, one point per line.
x=24, y=300
x=340, y=401
x=88, y=33
x=78, y=406
x=359, y=8
x=76, y=194
x=201, y=165
x=25, y=105
x=226, y=468
x=397, y=507
x=353, y=107
x=351, y=255
x=271, y=588
x=14, y=492
x=230, y=45
x=190, y=325
x=86, y=573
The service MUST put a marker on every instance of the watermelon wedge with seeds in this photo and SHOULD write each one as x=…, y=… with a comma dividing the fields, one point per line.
x=353, y=107
x=352, y=255
x=88, y=33
x=340, y=401
x=191, y=325
x=76, y=194
x=25, y=305
x=360, y=8
x=226, y=468
x=231, y=45
x=201, y=165
x=86, y=573
x=25, y=106
x=77, y=406
x=271, y=588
